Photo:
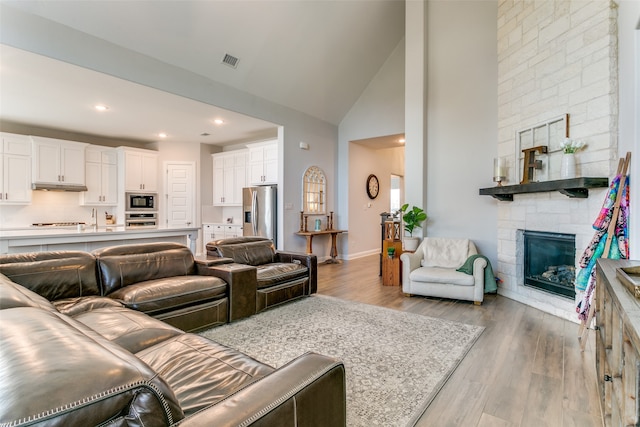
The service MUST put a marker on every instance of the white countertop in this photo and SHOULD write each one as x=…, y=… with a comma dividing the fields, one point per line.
x=64, y=238
x=87, y=232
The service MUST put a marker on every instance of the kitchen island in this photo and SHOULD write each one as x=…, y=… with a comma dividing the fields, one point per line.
x=90, y=238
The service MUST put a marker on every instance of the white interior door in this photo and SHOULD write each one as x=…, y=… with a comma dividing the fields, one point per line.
x=180, y=185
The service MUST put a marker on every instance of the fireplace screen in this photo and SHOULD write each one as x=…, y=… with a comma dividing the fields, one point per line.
x=549, y=262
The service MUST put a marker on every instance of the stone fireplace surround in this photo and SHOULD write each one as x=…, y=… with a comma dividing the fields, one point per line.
x=550, y=212
x=555, y=57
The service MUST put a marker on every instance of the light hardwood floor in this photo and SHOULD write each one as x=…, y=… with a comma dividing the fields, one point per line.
x=526, y=369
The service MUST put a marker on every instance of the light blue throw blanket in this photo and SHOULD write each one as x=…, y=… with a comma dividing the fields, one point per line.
x=489, y=278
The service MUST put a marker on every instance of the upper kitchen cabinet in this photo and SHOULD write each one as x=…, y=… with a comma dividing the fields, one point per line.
x=139, y=169
x=101, y=176
x=229, y=177
x=15, y=169
x=263, y=163
x=58, y=164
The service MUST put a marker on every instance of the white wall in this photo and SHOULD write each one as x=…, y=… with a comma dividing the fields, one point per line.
x=629, y=120
x=322, y=152
x=415, y=93
x=378, y=112
x=461, y=121
x=364, y=213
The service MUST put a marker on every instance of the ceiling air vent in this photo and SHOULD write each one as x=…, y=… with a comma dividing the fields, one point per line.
x=230, y=60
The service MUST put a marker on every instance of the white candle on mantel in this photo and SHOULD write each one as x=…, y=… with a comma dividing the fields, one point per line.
x=499, y=168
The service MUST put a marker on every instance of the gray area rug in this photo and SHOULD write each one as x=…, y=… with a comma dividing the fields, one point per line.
x=395, y=362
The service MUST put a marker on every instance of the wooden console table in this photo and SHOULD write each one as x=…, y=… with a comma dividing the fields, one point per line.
x=617, y=345
x=334, y=237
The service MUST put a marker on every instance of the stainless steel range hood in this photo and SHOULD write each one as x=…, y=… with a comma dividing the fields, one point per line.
x=58, y=187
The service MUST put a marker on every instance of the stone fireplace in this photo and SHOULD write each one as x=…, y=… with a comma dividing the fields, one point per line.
x=551, y=213
x=555, y=58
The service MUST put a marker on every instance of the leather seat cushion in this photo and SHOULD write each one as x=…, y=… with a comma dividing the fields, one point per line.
x=279, y=272
x=170, y=293
x=75, y=306
x=202, y=372
x=441, y=275
x=130, y=329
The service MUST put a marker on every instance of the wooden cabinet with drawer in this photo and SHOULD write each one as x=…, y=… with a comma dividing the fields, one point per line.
x=617, y=346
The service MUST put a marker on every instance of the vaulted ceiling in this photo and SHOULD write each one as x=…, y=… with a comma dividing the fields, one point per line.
x=314, y=56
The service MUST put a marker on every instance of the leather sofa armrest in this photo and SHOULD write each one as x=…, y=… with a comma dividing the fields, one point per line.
x=308, y=260
x=209, y=261
x=308, y=391
x=242, y=282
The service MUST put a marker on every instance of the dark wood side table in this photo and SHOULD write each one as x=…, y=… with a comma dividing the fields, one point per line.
x=334, y=239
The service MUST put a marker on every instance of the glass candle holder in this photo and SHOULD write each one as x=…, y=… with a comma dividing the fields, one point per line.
x=499, y=170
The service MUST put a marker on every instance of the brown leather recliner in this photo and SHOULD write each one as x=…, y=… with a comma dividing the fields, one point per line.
x=281, y=276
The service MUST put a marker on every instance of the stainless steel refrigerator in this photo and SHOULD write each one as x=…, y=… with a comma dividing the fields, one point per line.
x=260, y=211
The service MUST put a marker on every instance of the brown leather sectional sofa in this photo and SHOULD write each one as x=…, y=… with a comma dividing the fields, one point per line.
x=80, y=346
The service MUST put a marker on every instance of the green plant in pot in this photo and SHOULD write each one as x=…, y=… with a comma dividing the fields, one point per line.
x=391, y=252
x=413, y=218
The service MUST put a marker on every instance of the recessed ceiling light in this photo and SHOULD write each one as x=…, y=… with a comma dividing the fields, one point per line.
x=101, y=107
x=401, y=140
x=162, y=135
x=218, y=121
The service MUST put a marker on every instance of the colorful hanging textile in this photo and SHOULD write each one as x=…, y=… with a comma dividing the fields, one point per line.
x=619, y=248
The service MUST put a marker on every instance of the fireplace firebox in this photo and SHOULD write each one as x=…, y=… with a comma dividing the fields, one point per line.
x=549, y=262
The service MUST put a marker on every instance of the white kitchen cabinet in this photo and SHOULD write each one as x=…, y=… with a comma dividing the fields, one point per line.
x=101, y=169
x=232, y=231
x=139, y=169
x=263, y=163
x=229, y=177
x=212, y=232
x=56, y=161
x=215, y=231
x=15, y=169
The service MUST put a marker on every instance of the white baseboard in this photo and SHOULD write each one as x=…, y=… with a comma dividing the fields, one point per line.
x=361, y=254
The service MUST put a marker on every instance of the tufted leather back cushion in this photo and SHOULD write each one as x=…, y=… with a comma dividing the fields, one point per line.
x=252, y=252
x=13, y=295
x=121, y=266
x=54, y=275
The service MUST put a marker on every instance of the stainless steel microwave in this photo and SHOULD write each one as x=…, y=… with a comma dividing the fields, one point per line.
x=141, y=202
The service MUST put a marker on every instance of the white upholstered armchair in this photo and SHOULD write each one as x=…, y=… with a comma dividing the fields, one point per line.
x=432, y=270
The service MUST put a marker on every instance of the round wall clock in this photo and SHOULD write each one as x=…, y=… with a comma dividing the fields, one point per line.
x=373, y=186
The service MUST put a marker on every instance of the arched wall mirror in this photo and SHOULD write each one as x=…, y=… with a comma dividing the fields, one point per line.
x=314, y=191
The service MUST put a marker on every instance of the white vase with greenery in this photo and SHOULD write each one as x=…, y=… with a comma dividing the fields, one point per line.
x=568, y=162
